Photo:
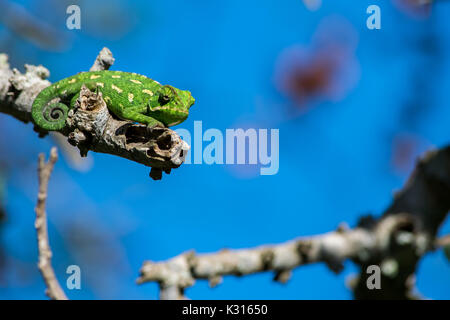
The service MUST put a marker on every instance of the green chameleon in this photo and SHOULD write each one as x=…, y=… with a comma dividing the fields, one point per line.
x=129, y=96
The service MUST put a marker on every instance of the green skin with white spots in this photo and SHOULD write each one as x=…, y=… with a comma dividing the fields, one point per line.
x=129, y=96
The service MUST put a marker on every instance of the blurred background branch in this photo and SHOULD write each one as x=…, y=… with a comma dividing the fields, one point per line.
x=24, y=24
x=395, y=242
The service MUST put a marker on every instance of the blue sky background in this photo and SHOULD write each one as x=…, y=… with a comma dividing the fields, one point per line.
x=335, y=160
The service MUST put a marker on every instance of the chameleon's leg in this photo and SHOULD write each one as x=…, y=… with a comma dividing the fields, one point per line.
x=135, y=114
x=73, y=101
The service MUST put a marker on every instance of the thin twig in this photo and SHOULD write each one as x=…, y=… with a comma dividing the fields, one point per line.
x=54, y=290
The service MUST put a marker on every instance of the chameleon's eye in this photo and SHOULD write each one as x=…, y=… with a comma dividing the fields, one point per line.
x=166, y=94
x=163, y=99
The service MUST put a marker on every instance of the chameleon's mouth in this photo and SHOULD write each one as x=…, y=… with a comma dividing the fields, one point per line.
x=190, y=99
x=174, y=123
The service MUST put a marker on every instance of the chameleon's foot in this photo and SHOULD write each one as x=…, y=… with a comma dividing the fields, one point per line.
x=157, y=126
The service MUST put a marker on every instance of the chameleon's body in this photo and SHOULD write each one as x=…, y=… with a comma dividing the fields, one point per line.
x=129, y=96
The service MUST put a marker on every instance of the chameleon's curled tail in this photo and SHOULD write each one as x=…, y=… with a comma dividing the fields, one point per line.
x=49, y=116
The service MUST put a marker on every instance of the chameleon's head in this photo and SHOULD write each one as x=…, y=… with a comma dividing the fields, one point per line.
x=170, y=105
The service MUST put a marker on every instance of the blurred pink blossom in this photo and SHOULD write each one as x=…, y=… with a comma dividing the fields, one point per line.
x=419, y=9
x=326, y=70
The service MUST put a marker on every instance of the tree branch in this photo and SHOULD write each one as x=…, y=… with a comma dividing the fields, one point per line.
x=54, y=290
x=395, y=242
x=90, y=126
x=103, y=61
